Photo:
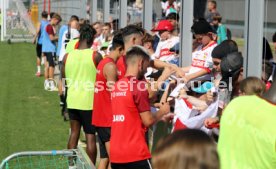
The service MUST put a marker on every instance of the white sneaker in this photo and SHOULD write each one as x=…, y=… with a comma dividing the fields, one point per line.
x=72, y=167
x=46, y=85
x=52, y=84
x=53, y=89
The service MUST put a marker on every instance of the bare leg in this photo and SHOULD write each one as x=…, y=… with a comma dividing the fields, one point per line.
x=103, y=163
x=46, y=71
x=51, y=72
x=91, y=148
x=74, y=137
x=107, y=145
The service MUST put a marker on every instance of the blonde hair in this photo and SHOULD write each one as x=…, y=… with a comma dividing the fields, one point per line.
x=252, y=86
x=186, y=149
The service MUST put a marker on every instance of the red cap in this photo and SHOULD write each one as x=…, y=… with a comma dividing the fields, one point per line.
x=164, y=25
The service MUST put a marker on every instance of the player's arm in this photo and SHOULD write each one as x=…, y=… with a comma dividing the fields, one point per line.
x=63, y=65
x=148, y=118
x=142, y=102
x=53, y=38
x=195, y=75
x=153, y=89
x=110, y=73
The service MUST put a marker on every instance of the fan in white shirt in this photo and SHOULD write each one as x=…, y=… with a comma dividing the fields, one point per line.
x=167, y=41
x=201, y=58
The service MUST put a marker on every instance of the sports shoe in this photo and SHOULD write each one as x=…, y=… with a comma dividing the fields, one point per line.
x=72, y=167
x=52, y=85
x=46, y=85
x=53, y=88
x=38, y=74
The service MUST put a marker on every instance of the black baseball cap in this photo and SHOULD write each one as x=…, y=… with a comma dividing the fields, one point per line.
x=231, y=64
x=226, y=47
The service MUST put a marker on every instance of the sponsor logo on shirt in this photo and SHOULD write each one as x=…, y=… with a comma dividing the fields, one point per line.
x=165, y=52
x=118, y=118
x=118, y=94
x=198, y=63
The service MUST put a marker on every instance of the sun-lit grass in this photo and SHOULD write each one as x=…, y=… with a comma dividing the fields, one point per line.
x=29, y=116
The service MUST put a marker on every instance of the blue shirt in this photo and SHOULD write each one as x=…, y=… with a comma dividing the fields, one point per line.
x=60, y=34
x=43, y=24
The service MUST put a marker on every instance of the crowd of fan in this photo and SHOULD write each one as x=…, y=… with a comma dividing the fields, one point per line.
x=192, y=99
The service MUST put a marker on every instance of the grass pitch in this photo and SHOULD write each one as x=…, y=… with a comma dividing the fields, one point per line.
x=29, y=116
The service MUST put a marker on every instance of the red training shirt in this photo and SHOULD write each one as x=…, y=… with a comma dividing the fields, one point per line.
x=102, y=111
x=128, y=142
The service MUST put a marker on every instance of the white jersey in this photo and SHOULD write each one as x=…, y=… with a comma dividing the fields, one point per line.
x=202, y=60
x=163, y=52
x=167, y=9
x=98, y=41
x=73, y=34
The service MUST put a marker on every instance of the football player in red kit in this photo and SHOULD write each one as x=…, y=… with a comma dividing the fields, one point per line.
x=131, y=114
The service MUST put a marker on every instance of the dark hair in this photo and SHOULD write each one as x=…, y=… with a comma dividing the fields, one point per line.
x=83, y=22
x=189, y=149
x=148, y=38
x=107, y=24
x=115, y=24
x=74, y=18
x=173, y=16
x=136, y=52
x=267, y=53
x=267, y=69
x=201, y=26
x=87, y=32
x=217, y=17
x=52, y=14
x=44, y=14
x=274, y=37
x=117, y=41
x=131, y=30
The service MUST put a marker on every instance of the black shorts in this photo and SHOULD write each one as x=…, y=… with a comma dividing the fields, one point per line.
x=85, y=119
x=38, y=50
x=50, y=58
x=144, y=164
x=104, y=136
x=103, y=151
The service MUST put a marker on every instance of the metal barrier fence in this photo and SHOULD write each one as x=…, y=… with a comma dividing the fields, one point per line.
x=61, y=159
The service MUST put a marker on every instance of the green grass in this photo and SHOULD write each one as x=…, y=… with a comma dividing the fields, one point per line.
x=29, y=116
